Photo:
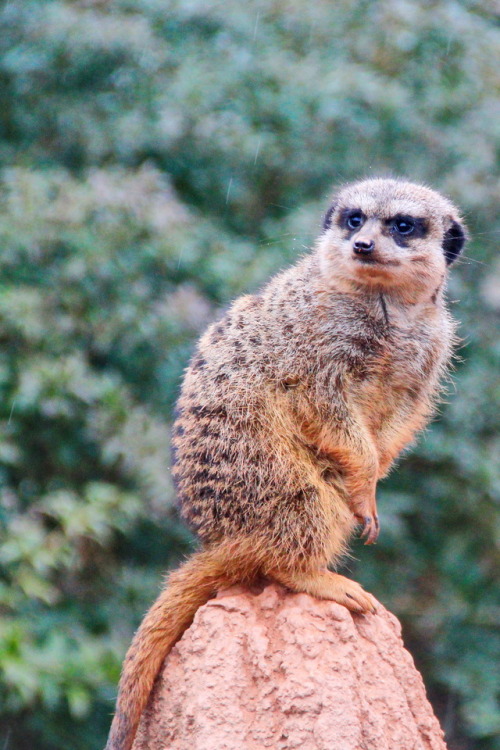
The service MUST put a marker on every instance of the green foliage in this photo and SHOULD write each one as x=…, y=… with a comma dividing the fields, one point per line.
x=159, y=158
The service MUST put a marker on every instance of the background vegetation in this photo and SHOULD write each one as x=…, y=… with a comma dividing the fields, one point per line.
x=159, y=157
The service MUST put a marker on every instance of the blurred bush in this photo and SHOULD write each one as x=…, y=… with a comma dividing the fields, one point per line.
x=159, y=158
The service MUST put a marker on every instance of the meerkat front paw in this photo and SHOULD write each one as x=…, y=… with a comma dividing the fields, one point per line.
x=365, y=512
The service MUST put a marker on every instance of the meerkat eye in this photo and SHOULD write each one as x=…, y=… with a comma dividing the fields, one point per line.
x=355, y=220
x=404, y=226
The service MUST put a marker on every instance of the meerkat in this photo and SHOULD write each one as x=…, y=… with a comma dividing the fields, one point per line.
x=295, y=404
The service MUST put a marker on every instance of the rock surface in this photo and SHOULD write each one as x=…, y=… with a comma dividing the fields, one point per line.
x=280, y=670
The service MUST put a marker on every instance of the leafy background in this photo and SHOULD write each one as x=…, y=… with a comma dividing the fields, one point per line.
x=159, y=157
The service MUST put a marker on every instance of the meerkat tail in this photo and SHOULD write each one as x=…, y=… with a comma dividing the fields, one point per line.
x=187, y=589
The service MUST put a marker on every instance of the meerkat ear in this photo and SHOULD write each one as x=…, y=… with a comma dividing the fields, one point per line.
x=453, y=241
x=327, y=221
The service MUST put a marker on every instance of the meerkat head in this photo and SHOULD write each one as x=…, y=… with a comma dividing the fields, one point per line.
x=390, y=235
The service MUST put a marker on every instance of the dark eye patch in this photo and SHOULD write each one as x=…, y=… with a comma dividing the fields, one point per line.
x=351, y=219
x=404, y=228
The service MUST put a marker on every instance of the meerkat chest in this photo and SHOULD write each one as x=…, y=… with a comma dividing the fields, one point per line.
x=403, y=372
x=407, y=358
x=379, y=359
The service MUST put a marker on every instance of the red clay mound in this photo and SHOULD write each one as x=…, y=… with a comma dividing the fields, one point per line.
x=280, y=670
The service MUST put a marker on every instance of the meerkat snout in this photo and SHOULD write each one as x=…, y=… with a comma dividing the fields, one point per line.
x=363, y=246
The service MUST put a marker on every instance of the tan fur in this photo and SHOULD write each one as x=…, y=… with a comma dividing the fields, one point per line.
x=292, y=408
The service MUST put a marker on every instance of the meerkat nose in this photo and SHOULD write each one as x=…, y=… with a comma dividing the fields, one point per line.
x=363, y=247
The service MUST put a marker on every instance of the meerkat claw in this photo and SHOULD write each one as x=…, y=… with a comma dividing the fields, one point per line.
x=370, y=530
x=365, y=520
